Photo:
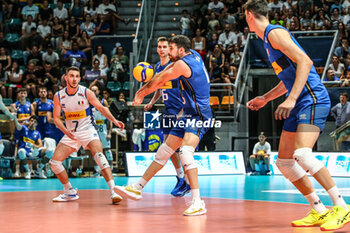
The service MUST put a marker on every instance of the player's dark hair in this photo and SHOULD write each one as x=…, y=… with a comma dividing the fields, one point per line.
x=42, y=87
x=21, y=89
x=72, y=68
x=345, y=94
x=162, y=38
x=34, y=117
x=257, y=7
x=181, y=41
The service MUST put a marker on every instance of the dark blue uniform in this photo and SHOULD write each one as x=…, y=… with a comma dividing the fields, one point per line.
x=23, y=111
x=313, y=104
x=27, y=138
x=45, y=128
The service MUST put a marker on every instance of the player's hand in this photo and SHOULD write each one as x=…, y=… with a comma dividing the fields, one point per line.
x=283, y=110
x=257, y=103
x=108, y=137
x=138, y=99
x=119, y=124
x=148, y=107
x=71, y=135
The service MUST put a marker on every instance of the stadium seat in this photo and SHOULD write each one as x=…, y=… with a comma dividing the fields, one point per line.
x=7, y=159
x=14, y=25
x=114, y=86
x=7, y=101
x=126, y=86
x=17, y=54
x=214, y=101
x=12, y=39
x=225, y=101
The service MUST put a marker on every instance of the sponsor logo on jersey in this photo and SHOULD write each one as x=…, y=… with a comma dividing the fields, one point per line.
x=42, y=113
x=23, y=115
x=75, y=115
x=100, y=122
x=25, y=139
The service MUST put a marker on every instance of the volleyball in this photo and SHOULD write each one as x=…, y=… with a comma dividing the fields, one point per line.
x=261, y=152
x=143, y=72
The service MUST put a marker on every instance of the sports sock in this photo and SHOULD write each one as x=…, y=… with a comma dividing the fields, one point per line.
x=67, y=186
x=41, y=166
x=195, y=194
x=315, y=202
x=111, y=185
x=140, y=184
x=337, y=197
x=180, y=173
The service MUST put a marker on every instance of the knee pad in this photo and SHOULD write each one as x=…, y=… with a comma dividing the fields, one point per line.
x=56, y=166
x=22, y=154
x=290, y=169
x=186, y=156
x=109, y=155
x=2, y=147
x=101, y=160
x=49, y=153
x=307, y=160
x=163, y=154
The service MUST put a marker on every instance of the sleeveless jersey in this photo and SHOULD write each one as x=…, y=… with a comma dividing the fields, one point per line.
x=171, y=93
x=27, y=138
x=76, y=109
x=314, y=91
x=23, y=111
x=197, y=87
x=42, y=108
x=100, y=120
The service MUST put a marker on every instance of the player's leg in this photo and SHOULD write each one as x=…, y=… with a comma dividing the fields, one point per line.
x=22, y=155
x=61, y=153
x=46, y=154
x=163, y=154
x=252, y=161
x=267, y=164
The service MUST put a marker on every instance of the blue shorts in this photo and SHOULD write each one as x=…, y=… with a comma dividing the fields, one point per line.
x=204, y=116
x=169, y=128
x=310, y=114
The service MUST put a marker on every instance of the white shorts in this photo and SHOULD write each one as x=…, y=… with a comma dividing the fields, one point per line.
x=83, y=138
x=106, y=144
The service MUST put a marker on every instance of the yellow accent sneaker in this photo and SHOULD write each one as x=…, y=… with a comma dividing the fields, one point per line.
x=312, y=219
x=128, y=192
x=339, y=218
x=197, y=208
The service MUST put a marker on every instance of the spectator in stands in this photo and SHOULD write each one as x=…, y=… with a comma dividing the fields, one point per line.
x=216, y=7
x=199, y=21
x=84, y=43
x=3, y=42
x=45, y=12
x=227, y=40
x=65, y=43
x=199, y=44
x=35, y=57
x=277, y=19
x=56, y=33
x=91, y=9
x=14, y=76
x=73, y=28
x=335, y=18
x=343, y=32
x=44, y=29
x=346, y=18
x=76, y=10
x=337, y=67
x=124, y=60
x=185, y=23
x=33, y=40
x=275, y=6
x=336, y=5
x=88, y=26
x=330, y=76
x=22, y=107
x=75, y=57
x=5, y=59
x=117, y=70
x=103, y=27
x=305, y=5
x=342, y=51
x=27, y=28
x=49, y=77
x=321, y=19
x=110, y=12
x=30, y=9
x=213, y=24
x=95, y=74
x=229, y=72
x=3, y=81
x=346, y=80
x=30, y=79
x=225, y=17
x=212, y=42
x=60, y=12
x=102, y=58
x=345, y=5
x=242, y=40
x=341, y=111
x=261, y=151
x=218, y=55
x=51, y=57
x=236, y=56
x=215, y=71
x=306, y=20
x=107, y=95
x=292, y=27
x=291, y=18
x=14, y=9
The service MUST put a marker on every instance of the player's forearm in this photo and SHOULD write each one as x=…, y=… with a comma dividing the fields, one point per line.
x=105, y=112
x=151, y=86
x=276, y=92
x=302, y=74
x=156, y=96
x=59, y=124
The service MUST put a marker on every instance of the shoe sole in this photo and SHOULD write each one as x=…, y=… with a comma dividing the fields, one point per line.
x=315, y=225
x=126, y=194
x=324, y=229
x=116, y=200
x=197, y=213
x=67, y=200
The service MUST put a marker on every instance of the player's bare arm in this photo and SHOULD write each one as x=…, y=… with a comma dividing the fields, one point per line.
x=17, y=124
x=280, y=39
x=5, y=110
x=57, y=117
x=104, y=110
x=33, y=108
x=38, y=143
x=180, y=68
x=154, y=99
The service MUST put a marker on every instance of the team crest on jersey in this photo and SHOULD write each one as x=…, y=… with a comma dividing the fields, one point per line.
x=81, y=102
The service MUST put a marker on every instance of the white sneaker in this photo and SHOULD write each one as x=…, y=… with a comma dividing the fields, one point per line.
x=40, y=174
x=197, y=208
x=68, y=195
x=128, y=192
x=116, y=198
x=16, y=175
x=27, y=176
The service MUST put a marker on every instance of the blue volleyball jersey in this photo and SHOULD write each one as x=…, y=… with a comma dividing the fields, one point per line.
x=27, y=138
x=171, y=93
x=45, y=128
x=197, y=87
x=23, y=111
x=314, y=91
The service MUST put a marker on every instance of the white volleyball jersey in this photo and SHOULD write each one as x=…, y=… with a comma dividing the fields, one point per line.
x=100, y=120
x=76, y=108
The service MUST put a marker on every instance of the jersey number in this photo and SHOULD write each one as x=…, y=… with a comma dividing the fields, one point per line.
x=76, y=125
x=164, y=95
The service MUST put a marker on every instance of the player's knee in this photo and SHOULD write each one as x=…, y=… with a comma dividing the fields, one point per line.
x=56, y=166
x=290, y=169
x=252, y=157
x=109, y=155
x=49, y=153
x=101, y=160
x=186, y=157
x=22, y=154
x=307, y=160
x=163, y=154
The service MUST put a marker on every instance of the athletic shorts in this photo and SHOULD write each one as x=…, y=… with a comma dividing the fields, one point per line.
x=198, y=124
x=106, y=144
x=315, y=114
x=84, y=137
x=169, y=128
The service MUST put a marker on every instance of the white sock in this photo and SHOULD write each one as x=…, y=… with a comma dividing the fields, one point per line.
x=186, y=179
x=180, y=173
x=67, y=186
x=41, y=166
x=337, y=197
x=140, y=184
x=315, y=202
x=195, y=194
x=111, y=185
